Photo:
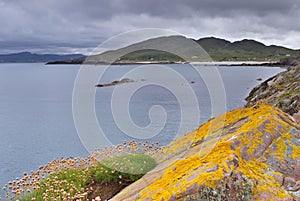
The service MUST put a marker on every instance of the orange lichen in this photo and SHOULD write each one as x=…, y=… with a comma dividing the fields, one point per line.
x=237, y=141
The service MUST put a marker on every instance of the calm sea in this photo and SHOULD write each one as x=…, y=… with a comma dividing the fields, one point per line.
x=36, y=122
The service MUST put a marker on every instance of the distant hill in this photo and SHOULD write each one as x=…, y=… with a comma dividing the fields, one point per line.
x=145, y=51
x=217, y=49
x=30, y=57
x=244, y=50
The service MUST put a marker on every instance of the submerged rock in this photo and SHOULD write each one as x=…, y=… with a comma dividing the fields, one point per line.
x=246, y=154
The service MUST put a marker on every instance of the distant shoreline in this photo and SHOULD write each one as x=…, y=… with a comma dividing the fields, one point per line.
x=213, y=63
x=237, y=63
x=232, y=62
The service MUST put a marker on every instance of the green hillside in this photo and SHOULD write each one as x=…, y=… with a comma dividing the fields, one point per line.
x=151, y=50
x=182, y=49
x=151, y=55
x=222, y=50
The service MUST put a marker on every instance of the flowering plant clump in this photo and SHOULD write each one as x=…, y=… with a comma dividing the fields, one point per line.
x=72, y=178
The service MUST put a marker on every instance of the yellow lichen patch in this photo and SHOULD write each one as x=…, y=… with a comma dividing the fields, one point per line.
x=217, y=126
x=176, y=176
x=239, y=143
x=296, y=152
x=265, y=183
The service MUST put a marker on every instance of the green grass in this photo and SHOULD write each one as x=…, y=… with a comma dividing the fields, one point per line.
x=288, y=94
x=131, y=167
x=215, y=54
x=123, y=169
x=150, y=55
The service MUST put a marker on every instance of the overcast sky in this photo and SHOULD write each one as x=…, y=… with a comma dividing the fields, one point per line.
x=78, y=26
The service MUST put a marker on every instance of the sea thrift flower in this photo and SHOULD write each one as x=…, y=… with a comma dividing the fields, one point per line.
x=98, y=198
x=57, y=188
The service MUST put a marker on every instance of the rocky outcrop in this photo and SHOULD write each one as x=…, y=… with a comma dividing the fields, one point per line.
x=125, y=80
x=290, y=61
x=282, y=90
x=246, y=154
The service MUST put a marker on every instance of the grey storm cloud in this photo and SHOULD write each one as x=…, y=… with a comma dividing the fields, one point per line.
x=80, y=25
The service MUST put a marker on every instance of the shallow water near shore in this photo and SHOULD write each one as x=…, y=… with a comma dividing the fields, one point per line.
x=36, y=121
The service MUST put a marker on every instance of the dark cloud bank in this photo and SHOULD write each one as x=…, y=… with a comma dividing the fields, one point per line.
x=80, y=25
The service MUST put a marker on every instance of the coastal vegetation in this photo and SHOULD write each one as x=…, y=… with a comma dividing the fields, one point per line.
x=102, y=174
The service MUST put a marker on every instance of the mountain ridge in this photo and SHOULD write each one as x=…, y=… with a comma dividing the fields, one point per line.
x=33, y=57
x=216, y=49
x=247, y=49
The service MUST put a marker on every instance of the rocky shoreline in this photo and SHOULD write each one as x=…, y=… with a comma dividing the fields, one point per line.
x=281, y=91
x=282, y=63
x=82, y=61
x=215, y=63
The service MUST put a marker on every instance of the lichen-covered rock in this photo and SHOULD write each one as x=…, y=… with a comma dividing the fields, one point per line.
x=246, y=154
x=282, y=90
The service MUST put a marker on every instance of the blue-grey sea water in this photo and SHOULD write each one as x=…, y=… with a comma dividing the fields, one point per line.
x=36, y=122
